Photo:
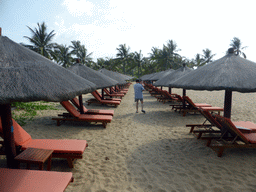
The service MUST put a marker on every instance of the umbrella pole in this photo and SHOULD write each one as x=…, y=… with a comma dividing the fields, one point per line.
x=227, y=110
x=170, y=90
x=81, y=104
x=183, y=101
x=227, y=104
x=10, y=150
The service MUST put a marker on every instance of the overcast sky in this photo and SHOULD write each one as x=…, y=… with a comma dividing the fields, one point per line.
x=102, y=25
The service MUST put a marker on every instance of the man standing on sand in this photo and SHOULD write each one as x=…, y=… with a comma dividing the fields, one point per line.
x=138, y=88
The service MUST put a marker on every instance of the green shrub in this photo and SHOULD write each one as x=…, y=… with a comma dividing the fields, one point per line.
x=27, y=111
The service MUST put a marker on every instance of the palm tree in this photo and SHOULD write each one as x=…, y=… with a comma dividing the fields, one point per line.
x=41, y=40
x=207, y=55
x=237, y=45
x=81, y=52
x=169, y=54
x=62, y=55
x=198, y=61
x=124, y=55
x=138, y=60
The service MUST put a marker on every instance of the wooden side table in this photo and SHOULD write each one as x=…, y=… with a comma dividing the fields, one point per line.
x=35, y=156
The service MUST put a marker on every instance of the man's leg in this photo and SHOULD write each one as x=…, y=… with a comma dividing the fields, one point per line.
x=137, y=106
x=142, y=107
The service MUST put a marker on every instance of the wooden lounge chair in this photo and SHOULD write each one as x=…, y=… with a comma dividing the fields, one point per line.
x=113, y=94
x=121, y=89
x=75, y=101
x=108, y=99
x=70, y=149
x=21, y=180
x=97, y=99
x=211, y=125
x=179, y=107
x=165, y=97
x=155, y=91
x=74, y=115
x=193, y=107
x=116, y=91
x=241, y=136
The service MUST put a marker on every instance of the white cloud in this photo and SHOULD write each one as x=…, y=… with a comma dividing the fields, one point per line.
x=78, y=8
x=193, y=25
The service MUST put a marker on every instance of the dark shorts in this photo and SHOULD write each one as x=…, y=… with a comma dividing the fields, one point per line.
x=136, y=100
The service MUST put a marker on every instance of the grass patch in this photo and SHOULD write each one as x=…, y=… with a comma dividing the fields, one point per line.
x=25, y=112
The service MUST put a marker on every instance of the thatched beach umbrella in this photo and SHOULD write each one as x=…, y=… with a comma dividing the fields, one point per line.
x=229, y=73
x=160, y=75
x=102, y=81
x=126, y=77
x=173, y=76
x=27, y=76
x=148, y=76
x=120, y=79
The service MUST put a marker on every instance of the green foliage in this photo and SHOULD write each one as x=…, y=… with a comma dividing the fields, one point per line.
x=27, y=111
x=81, y=53
x=41, y=40
x=62, y=55
x=126, y=62
x=237, y=45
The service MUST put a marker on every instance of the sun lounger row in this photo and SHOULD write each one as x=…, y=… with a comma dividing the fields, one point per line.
x=180, y=104
x=241, y=134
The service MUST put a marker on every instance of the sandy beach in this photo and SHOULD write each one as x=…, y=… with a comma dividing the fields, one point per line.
x=152, y=152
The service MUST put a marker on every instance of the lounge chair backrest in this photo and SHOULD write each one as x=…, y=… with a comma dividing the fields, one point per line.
x=227, y=123
x=106, y=91
x=112, y=89
x=75, y=101
x=95, y=94
x=20, y=135
x=179, y=98
x=189, y=101
x=70, y=108
x=167, y=93
x=210, y=117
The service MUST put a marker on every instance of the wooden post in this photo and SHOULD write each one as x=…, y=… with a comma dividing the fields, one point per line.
x=183, y=100
x=161, y=87
x=170, y=90
x=227, y=110
x=0, y=31
x=227, y=104
x=81, y=104
x=10, y=150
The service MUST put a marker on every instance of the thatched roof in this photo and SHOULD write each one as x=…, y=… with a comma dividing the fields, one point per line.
x=231, y=72
x=172, y=76
x=101, y=80
x=27, y=76
x=126, y=77
x=147, y=77
x=119, y=78
x=155, y=76
x=160, y=75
